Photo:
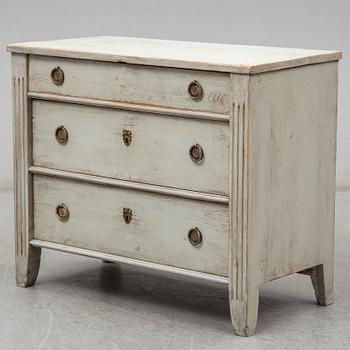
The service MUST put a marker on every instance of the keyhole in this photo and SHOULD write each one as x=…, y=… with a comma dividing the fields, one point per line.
x=127, y=215
x=127, y=137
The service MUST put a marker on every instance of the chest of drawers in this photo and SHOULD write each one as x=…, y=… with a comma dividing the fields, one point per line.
x=207, y=160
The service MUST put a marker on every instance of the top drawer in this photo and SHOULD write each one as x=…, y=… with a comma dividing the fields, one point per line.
x=157, y=86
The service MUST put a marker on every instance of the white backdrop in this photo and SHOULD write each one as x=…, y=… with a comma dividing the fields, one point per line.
x=307, y=24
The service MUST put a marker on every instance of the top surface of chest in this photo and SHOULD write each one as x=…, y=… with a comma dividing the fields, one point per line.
x=178, y=54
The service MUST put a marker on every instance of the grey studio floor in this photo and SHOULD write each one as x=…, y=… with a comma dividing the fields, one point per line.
x=82, y=303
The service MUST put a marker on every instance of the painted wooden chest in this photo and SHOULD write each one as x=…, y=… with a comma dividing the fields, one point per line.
x=208, y=160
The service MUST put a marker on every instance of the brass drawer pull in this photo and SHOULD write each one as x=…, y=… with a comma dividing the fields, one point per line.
x=196, y=153
x=195, y=236
x=127, y=215
x=195, y=90
x=57, y=76
x=61, y=135
x=62, y=212
x=127, y=137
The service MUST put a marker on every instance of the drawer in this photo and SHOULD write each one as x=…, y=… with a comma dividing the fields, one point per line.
x=133, y=146
x=157, y=232
x=130, y=83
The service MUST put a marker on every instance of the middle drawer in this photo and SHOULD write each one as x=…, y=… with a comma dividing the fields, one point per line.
x=163, y=150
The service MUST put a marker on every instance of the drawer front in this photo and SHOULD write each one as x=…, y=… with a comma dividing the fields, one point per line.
x=157, y=231
x=133, y=146
x=130, y=83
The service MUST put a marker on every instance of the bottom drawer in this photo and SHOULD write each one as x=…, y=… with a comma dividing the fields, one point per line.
x=132, y=223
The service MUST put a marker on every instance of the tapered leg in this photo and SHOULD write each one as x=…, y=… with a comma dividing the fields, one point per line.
x=27, y=266
x=244, y=312
x=322, y=281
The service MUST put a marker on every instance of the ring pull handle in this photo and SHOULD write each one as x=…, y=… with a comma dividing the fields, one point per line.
x=196, y=153
x=62, y=212
x=195, y=236
x=61, y=135
x=195, y=90
x=57, y=76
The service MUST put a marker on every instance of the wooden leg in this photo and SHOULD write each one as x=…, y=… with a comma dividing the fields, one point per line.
x=244, y=313
x=27, y=266
x=322, y=281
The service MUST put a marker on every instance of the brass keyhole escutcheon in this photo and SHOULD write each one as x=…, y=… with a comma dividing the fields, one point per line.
x=61, y=135
x=127, y=215
x=195, y=90
x=62, y=212
x=127, y=137
x=196, y=153
x=57, y=76
x=195, y=236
